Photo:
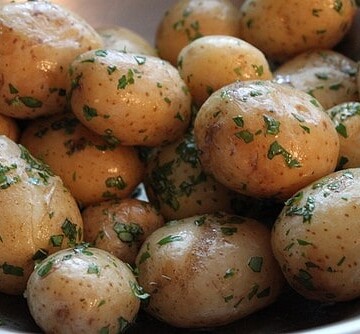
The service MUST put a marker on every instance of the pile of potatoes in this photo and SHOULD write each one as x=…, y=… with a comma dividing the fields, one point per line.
x=192, y=179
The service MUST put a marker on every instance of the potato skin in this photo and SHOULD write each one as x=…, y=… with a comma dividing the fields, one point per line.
x=39, y=215
x=262, y=139
x=211, y=62
x=120, y=227
x=124, y=39
x=39, y=40
x=316, y=238
x=177, y=185
x=9, y=128
x=93, y=168
x=327, y=75
x=208, y=270
x=137, y=99
x=82, y=290
x=187, y=20
x=346, y=119
x=283, y=29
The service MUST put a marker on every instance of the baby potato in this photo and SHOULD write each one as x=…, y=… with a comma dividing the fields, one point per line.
x=284, y=29
x=325, y=74
x=83, y=290
x=124, y=39
x=187, y=20
x=262, y=139
x=120, y=226
x=9, y=128
x=211, y=62
x=136, y=99
x=93, y=168
x=316, y=238
x=38, y=215
x=208, y=270
x=176, y=184
x=346, y=119
x=38, y=41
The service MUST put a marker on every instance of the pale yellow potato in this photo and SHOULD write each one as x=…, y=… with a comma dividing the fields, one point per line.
x=38, y=215
x=346, y=119
x=94, y=168
x=176, y=184
x=263, y=139
x=9, y=127
x=38, y=41
x=316, y=238
x=124, y=39
x=283, y=29
x=208, y=270
x=83, y=290
x=211, y=62
x=120, y=227
x=187, y=20
x=327, y=75
x=137, y=99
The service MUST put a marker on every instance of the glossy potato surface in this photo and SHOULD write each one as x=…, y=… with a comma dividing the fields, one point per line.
x=262, y=139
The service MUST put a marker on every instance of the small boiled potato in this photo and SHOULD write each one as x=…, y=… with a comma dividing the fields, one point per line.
x=121, y=226
x=124, y=39
x=176, y=184
x=38, y=41
x=262, y=139
x=316, y=238
x=208, y=270
x=9, y=128
x=38, y=215
x=187, y=20
x=211, y=62
x=346, y=119
x=325, y=74
x=93, y=168
x=137, y=99
x=284, y=29
x=83, y=290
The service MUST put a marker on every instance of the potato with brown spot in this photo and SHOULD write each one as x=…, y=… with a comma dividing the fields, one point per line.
x=83, y=290
x=316, y=238
x=263, y=139
x=208, y=270
x=38, y=41
x=135, y=99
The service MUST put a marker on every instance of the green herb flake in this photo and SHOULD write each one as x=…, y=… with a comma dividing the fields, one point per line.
x=303, y=242
x=272, y=125
x=305, y=279
x=316, y=12
x=101, y=53
x=123, y=325
x=93, y=269
x=89, y=113
x=305, y=211
x=315, y=102
x=45, y=268
x=322, y=76
x=276, y=149
x=253, y=291
x=305, y=128
x=116, y=182
x=12, y=89
x=141, y=60
x=200, y=221
x=128, y=232
x=126, y=80
x=228, y=298
x=336, y=86
x=169, y=239
x=341, y=261
x=6, y=180
x=138, y=291
x=30, y=102
x=228, y=231
x=338, y=5
x=70, y=231
x=255, y=263
x=40, y=255
x=56, y=240
x=9, y=269
x=259, y=69
x=111, y=69
x=105, y=330
x=264, y=293
x=341, y=130
x=229, y=273
x=245, y=135
x=239, y=121
x=144, y=256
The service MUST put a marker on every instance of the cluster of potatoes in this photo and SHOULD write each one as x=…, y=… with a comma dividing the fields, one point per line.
x=199, y=176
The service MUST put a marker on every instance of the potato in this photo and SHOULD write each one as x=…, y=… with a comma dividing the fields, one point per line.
x=9, y=128
x=284, y=29
x=346, y=119
x=211, y=62
x=262, y=139
x=208, y=270
x=38, y=41
x=120, y=226
x=93, y=168
x=187, y=20
x=176, y=184
x=136, y=99
x=38, y=215
x=124, y=39
x=83, y=290
x=325, y=74
x=316, y=238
